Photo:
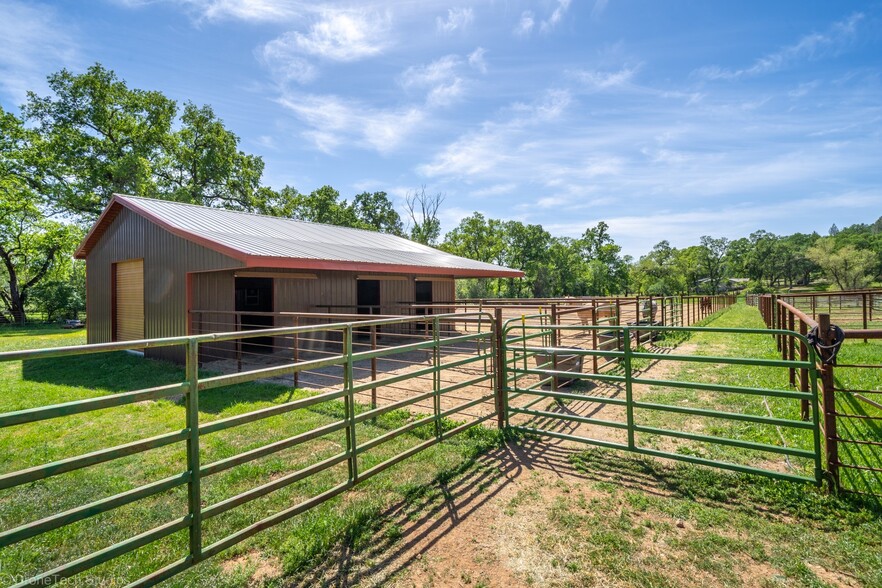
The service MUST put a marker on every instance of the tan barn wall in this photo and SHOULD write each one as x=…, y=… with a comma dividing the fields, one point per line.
x=167, y=259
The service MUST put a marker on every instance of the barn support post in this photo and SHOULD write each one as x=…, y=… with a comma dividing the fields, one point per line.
x=194, y=490
x=500, y=371
x=829, y=399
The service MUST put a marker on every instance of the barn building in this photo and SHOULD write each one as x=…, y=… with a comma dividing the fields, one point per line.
x=154, y=268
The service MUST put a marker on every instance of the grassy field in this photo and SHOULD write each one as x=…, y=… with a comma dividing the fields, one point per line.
x=287, y=549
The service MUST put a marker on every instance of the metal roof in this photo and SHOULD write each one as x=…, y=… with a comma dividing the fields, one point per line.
x=268, y=241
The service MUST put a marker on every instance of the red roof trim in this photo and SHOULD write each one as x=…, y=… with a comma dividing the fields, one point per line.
x=115, y=204
x=333, y=265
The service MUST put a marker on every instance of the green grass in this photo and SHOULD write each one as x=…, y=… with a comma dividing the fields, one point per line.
x=639, y=522
x=292, y=546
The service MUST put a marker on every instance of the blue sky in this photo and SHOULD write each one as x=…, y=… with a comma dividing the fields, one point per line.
x=668, y=120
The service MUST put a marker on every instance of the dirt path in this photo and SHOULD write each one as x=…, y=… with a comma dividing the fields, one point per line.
x=483, y=530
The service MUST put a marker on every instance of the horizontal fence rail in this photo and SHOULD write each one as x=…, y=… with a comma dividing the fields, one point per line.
x=440, y=367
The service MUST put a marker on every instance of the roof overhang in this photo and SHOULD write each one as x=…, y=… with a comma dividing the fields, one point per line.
x=115, y=206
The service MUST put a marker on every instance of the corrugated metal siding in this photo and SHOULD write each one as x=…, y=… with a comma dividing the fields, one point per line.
x=167, y=259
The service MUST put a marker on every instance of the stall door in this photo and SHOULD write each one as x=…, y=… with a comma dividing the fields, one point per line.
x=128, y=284
x=255, y=295
x=423, y=295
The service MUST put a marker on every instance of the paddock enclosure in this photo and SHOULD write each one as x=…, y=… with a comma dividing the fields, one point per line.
x=534, y=368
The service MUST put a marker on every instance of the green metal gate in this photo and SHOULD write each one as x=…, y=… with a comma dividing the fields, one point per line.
x=546, y=394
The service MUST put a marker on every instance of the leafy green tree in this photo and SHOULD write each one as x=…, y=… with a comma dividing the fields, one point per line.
x=849, y=268
x=525, y=247
x=656, y=272
x=320, y=206
x=474, y=238
x=201, y=164
x=101, y=137
x=607, y=271
x=374, y=211
x=712, y=261
x=30, y=245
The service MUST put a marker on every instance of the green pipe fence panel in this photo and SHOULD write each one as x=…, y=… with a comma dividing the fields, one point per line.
x=624, y=408
x=468, y=353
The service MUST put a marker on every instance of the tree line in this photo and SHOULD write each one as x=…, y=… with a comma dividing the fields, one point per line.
x=64, y=156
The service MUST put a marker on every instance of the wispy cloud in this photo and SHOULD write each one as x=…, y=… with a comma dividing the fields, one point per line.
x=488, y=150
x=556, y=16
x=812, y=46
x=457, y=19
x=439, y=79
x=334, y=122
x=244, y=10
x=35, y=42
x=477, y=61
x=525, y=24
x=603, y=80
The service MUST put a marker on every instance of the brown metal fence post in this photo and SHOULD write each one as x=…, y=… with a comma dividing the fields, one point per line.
x=791, y=344
x=238, y=344
x=373, y=365
x=829, y=401
x=803, y=372
x=296, y=344
x=500, y=369
x=594, y=336
x=864, y=308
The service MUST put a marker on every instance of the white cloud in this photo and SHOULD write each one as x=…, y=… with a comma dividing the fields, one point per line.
x=336, y=35
x=457, y=18
x=604, y=80
x=34, y=43
x=812, y=46
x=477, y=61
x=525, y=24
x=245, y=10
x=345, y=35
x=487, y=151
x=556, y=16
x=282, y=58
x=335, y=122
x=439, y=79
